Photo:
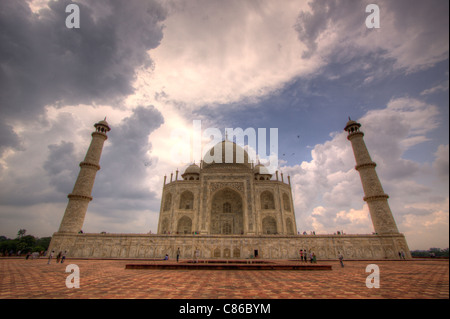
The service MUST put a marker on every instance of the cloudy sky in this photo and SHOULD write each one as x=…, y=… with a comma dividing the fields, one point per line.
x=153, y=67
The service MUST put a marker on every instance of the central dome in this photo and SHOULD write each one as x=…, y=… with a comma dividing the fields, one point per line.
x=228, y=153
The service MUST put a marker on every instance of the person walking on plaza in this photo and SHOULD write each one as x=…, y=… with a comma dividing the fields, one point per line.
x=341, y=259
x=50, y=256
x=301, y=254
x=58, y=257
x=178, y=253
x=63, y=256
x=196, y=254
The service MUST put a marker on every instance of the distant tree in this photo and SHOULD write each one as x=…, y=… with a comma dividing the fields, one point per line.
x=8, y=245
x=21, y=233
x=23, y=243
x=435, y=252
x=43, y=242
x=26, y=243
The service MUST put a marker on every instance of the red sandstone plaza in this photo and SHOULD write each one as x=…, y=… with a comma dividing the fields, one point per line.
x=109, y=279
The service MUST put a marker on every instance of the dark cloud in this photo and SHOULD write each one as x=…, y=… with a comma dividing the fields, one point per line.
x=8, y=138
x=42, y=62
x=62, y=175
x=412, y=32
x=125, y=160
x=310, y=25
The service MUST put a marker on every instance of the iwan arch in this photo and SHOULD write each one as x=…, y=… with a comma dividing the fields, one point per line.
x=229, y=209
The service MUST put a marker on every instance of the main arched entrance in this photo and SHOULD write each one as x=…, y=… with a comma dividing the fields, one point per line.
x=227, y=213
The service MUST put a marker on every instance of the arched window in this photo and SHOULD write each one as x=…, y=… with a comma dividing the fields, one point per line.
x=226, y=212
x=226, y=207
x=184, y=225
x=226, y=228
x=186, y=200
x=267, y=201
x=269, y=225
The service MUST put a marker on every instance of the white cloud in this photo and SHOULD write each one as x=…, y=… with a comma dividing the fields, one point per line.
x=435, y=89
x=213, y=53
x=336, y=30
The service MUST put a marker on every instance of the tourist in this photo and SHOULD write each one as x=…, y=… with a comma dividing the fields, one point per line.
x=166, y=257
x=50, y=256
x=63, y=256
x=58, y=257
x=301, y=254
x=314, y=258
x=341, y=259
x=178, y=254
x=403, y=254
x=196, y=254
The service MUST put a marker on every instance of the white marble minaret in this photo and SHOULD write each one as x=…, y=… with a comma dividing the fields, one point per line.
x=80, y=197
x=377, y=200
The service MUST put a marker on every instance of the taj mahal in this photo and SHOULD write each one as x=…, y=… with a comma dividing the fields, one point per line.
x=229, y=208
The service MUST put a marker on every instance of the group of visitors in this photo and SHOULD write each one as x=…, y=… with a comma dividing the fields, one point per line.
x=59, y=258
x=196, y=255
x=401, y=254
x=304, y=255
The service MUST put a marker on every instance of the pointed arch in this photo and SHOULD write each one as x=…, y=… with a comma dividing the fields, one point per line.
x=186, y=200
x=269, y=225
x=184, y=225
x=267, y=200
x=227, y=212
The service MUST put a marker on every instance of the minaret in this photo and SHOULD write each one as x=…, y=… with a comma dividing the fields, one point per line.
x=80, y=197
x=382, y=219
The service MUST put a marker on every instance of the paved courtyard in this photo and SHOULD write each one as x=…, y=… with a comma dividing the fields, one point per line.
x=20, y=278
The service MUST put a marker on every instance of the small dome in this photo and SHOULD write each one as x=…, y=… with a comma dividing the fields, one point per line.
x=351, y=123
x=261, y=169
x=192, y=169
x=103, y=123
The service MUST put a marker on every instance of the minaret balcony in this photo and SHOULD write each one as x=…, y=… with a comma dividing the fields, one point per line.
x=365, y=165
x=90, y=165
